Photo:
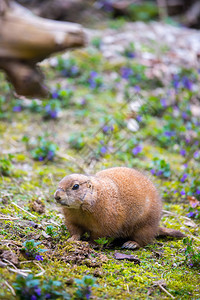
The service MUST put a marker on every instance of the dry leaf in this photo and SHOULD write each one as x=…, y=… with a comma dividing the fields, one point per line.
x=193, y=201
x=120, y=256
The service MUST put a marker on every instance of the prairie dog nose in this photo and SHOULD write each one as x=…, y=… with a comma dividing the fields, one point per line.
x=57, y=196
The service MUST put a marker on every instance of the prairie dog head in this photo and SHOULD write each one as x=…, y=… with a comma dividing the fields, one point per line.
x=75, y=191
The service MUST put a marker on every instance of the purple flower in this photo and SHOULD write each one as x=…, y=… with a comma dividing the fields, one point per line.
x=94, y=80
x=17, y=108
x=130, y=54
x=33, y=297
x=40, y=158
x=169, y=133
x=196, y=154
x=187, y=140
x=183, y=152
x=191, y=265
x=83, y=102
x=198, y=191
x=126, y=72
x=103, y=150
x=163, y=102
x=37, y=291
x=159, y=173
x=183, y=177
x=184, y=115
x=92, y=83
x=54, y=94
x=182, y=193
x=50, y=155
x=139, y=118
x=106, y=129
x=153, y=171
x=74, y=70
x=93, y=74
x=187, y=83
x=88, y=294
x=185, y=165
x=137, y=88
x=175, y=191
x=39, y=257
x=53, y=114
x=137, y=150
x=47, y=296
x=176, y=81
x=191, y=214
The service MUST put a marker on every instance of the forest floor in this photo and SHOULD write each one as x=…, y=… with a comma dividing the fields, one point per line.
x=130, y=98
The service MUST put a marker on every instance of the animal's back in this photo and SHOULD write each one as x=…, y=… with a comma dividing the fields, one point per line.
x=137, y=192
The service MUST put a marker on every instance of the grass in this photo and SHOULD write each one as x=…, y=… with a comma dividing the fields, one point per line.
x=91, y=128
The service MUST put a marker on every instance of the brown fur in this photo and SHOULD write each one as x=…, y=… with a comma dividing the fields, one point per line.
x=118, y=202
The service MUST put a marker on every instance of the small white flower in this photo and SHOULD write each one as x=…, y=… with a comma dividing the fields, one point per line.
x=133, y=125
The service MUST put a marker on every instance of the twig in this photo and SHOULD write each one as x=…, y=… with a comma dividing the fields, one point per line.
x=18, y=272
x=164, y=290
x=10, y=287
x=25, y=262
x=23, y=210
x=8, y=218
x=9, y=262
x=39, y=265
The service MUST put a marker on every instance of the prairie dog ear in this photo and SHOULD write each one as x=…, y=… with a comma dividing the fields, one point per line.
x=89, y=185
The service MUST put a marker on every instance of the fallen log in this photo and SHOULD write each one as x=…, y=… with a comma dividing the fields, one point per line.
x=26, y=39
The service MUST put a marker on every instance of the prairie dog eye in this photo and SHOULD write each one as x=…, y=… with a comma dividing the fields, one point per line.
x=75, y=187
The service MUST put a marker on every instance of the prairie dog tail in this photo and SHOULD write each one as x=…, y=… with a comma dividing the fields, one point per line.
x=162, y=231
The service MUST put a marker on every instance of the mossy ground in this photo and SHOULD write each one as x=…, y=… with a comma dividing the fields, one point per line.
x=163, y=271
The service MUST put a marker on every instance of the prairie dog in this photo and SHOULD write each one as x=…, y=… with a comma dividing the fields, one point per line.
x=117, y=202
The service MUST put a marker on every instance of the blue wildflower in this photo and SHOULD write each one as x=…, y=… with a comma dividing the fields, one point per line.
x=83, y=102
x=126, y=72
x=137, y=88
x=182, y=193
x=50, y=155
x=139, y=118
x=198, y=191
x=187, y=83
x=183, y=152
x=176, y=81
x=33, y=297
x=106, y=129
x=130, y=54
x=169, y=133
x=137, y=150
x=163, y=102
x=184, y=115
x=159, y=173
x=39, y=257
x=17, y=108
x=191, y=214
x=54, y=94
x=37, y=291
x=196, y=154
x=103, y=150
x=183, y=178
x=153, y=171
x=40, y=158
